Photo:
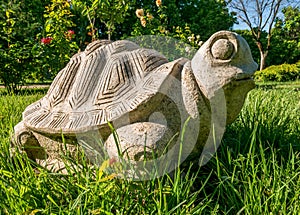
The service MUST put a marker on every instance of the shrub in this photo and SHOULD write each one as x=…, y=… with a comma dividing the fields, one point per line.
x=14, y=66
x=284, y=72
x=19, y=23
x=56, y=42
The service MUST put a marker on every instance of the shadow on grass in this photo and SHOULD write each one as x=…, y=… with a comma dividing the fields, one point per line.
x=293, y=85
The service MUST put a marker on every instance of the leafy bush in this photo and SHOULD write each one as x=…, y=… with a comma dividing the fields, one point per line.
x=14, y=66
x=37, y=38
x=19, y=23
x=284, y=72
x=154, y=31
x=56, y=41
x=157, y=23
x=286, y=37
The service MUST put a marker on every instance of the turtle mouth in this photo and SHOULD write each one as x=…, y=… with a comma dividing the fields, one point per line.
x=245, y=81
x=244, y=77
x=240, y=81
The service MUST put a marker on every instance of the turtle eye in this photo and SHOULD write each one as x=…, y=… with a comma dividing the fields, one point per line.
x=222, y=49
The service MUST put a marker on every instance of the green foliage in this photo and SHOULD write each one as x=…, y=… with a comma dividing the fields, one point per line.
x=151, y=19
x=102, y=12
x=284, y=72
x=156, y=23
x=24, y=23
x=51, y=56
x=14, y=66
x=174, y=42
x=206, y=17
x=20, y=21
x=286, y=37
x=202, y=18
x=35, y=41
x=252, y=44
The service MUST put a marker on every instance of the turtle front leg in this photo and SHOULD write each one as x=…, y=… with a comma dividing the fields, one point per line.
x=25, y=140
x=139, y=141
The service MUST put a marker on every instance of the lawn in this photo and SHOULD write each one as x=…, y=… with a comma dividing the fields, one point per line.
x=256, y=170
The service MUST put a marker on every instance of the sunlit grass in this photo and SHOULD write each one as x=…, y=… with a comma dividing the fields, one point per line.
x=256, y=170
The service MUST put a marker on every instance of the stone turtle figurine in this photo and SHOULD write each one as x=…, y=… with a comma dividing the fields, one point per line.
x=141, y=94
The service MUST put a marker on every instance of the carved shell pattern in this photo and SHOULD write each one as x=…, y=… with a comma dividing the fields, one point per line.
x=98, y=85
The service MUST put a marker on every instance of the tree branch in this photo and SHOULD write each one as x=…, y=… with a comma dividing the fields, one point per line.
x=264, y=17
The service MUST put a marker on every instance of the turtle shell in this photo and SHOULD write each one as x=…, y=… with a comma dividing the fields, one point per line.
x=100, y=85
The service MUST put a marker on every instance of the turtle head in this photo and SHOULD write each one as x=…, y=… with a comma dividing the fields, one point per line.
x=224, y=62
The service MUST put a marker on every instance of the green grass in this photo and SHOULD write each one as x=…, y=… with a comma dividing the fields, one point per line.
x=256, y=170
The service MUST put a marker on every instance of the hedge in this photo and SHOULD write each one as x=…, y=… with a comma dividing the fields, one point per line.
x=283, y=72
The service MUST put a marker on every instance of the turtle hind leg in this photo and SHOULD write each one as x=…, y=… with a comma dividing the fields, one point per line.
x=139, y=141
x=25, y=141
x=141, y=150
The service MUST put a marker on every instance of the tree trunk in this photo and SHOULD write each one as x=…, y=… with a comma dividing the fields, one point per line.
x=109, y=35
x=263, y=57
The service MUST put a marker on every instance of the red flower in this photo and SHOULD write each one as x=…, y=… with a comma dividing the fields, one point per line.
x=46, y=40
x=69, y=34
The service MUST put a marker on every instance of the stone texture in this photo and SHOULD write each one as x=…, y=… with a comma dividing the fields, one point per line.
x=144, y=96
x=138, y=141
